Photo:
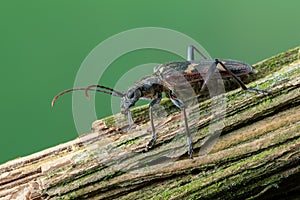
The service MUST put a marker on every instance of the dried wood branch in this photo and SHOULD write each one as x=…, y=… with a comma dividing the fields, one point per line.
x=256, y=156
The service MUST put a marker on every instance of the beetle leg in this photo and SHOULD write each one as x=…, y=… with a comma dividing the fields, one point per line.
x=130, y=120
x=243, y=86
x=190, y=53
x=154, y=102
x=180, y=104
x=210, y=72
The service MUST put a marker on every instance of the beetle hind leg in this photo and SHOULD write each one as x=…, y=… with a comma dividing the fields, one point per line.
x=191, y=55
x=243, y=86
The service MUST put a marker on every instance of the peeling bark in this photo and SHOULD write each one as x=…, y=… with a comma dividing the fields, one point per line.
x=256, y=156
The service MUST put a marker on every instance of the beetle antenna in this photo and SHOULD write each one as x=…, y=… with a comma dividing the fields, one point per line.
x=113, y=92
x=85, y=89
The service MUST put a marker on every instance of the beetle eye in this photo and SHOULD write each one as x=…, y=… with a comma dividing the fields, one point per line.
x=130, y=94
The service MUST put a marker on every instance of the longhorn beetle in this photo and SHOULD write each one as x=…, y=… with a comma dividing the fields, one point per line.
x=163, y=80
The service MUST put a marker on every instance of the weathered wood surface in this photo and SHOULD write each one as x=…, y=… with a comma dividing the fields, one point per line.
x=256, y=156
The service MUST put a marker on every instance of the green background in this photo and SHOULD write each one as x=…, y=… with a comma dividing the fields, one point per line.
x=43, y=43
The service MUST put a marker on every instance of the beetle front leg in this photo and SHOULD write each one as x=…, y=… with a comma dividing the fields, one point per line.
x=130, y=120
x=154, y=102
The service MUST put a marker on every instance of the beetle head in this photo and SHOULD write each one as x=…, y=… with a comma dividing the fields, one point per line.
x=129, y=99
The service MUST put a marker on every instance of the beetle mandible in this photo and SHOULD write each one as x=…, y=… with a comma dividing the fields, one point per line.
x=163, y=80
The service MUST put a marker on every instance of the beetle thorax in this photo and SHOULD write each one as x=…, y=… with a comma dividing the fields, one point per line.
x=149, y=86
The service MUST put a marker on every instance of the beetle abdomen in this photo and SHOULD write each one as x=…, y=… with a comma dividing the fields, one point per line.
x=196, y=71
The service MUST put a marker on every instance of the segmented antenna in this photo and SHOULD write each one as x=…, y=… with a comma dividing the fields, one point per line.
x=89, y=88
x=113, y=92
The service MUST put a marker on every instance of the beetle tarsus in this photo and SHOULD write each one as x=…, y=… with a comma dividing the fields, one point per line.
x=258, y=91
x=190, y=151
x=151, y=143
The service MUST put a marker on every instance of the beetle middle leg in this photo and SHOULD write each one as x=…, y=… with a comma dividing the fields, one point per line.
x=154, y=102
x=177, y=102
